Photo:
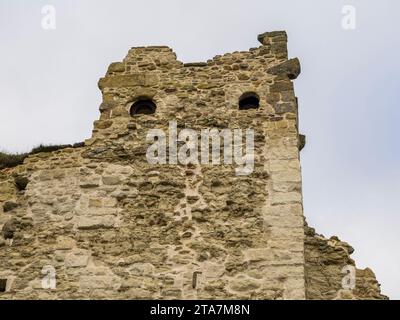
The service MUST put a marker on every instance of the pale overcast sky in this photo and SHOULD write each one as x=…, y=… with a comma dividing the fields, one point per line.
x=348, y=92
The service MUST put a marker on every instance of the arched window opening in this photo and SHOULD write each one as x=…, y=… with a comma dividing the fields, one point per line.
x=143, y=106
x=249, y=100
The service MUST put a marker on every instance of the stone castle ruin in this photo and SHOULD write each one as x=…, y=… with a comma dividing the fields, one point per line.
x=99, y=221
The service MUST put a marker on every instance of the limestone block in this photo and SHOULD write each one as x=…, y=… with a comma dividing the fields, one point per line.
x=90, y=182
x=289, y=175
x=111, y=180
x=244, y=284
x=141, y=269
x=9, y=206
x=130, y=80
x=116, y=67
x=77, y=258
x=95, y=222
x=259, y=254
x=291, y=68
x=65, y=243
x=286, y=197
x=89, y=282
x=7, y=191
x=267, y=37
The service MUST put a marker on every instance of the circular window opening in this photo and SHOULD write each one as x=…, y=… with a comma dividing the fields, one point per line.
x=249, y=100
x=143, y=106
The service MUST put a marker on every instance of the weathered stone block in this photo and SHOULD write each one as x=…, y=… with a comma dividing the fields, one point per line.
x=116, y=67
x=77, y=259
x=9, y=206
x=95, y=222
x=267, y=37
x=291, y=68
x=111, y=180
x=91, y=282
x=129, y=80
x=90, y=182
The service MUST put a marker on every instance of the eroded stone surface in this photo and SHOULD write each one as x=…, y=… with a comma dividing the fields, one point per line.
x=325, y=263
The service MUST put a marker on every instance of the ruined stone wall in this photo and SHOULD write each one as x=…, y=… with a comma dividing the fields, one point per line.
x=327, y=264
x=111, y=225
x=115, y=226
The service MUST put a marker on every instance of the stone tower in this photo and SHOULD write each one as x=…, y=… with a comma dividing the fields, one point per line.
x=103, y=222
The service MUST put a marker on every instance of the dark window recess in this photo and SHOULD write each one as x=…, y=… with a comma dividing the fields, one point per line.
x=143, y=106
x=249, y=100
x=195, y=277
x=3, y=285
